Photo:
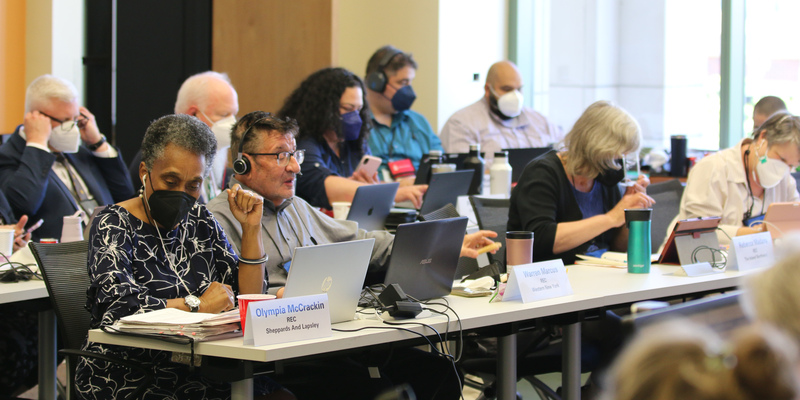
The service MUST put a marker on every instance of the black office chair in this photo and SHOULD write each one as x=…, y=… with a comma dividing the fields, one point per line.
x=63, y=266
x=492, y=214
x=722, y=313
x=668, y=204
x=448, y=211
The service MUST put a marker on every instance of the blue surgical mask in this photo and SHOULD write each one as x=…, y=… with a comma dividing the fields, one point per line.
x=351, y=125
x=403, y=98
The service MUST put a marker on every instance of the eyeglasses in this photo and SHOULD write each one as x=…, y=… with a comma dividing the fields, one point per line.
x=283, y=157
x=68, y=124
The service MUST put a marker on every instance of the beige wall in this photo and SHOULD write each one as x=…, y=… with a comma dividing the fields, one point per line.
x=362, y=26
x=12, y=66
x=450, y=39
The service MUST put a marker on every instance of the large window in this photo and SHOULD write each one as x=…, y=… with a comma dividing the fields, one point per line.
x=772, y=57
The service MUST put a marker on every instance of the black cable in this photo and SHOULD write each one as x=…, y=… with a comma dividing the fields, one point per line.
x=714, y=252
x=460, y=342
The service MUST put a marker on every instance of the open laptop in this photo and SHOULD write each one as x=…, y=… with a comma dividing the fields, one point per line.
x=425, y=257
x=519, y=158
x=372, y=204
x=444, y=187
x=338, y=269
x=782, y=218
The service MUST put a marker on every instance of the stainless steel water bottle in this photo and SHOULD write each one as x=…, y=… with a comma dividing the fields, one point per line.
x=638, y=223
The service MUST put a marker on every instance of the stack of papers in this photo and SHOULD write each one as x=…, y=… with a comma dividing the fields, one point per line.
x=613, y=259
x=171, y=321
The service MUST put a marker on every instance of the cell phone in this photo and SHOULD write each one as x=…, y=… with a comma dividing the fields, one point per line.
x=369, y=164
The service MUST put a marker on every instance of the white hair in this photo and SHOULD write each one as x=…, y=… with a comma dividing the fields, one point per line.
x=194, y=90
x=47, y=88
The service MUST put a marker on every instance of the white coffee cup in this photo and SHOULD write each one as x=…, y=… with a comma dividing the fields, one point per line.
x=6, y=241
x=341, y=209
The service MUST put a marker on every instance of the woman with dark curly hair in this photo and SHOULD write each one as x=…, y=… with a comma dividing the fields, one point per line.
x=329, y=107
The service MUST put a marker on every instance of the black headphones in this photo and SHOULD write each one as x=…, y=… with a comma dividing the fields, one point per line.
x=241, y=165
x=376, y=80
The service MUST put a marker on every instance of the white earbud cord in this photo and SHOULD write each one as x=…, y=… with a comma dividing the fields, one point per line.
x=166, y=254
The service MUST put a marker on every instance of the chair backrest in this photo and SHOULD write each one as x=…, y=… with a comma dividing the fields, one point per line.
x=448, y=211
x=63, y=266
x=492, y=214
x=668, y=204
x=722, y=313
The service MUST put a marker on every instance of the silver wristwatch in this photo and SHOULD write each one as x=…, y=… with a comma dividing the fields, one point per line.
x=192, y=302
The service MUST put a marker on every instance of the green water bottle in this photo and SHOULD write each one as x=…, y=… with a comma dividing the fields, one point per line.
x=638, y=223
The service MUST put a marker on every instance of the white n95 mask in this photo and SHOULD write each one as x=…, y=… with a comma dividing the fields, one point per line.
x=510, y=104
x=222, y=130
x=770, y=171
x=65, y=141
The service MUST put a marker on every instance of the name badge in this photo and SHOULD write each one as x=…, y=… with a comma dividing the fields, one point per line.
x=287, y=320
x=751, y=252
x=538, y=281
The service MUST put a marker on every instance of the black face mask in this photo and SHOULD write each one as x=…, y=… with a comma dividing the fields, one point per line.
x=610, y=177
x=169, y=207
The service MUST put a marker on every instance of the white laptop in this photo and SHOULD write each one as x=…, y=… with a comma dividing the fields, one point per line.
x=337, y=269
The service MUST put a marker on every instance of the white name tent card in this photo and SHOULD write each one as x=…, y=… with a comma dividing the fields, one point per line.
x=538, y=281
x=287, y=320
x=751, y=252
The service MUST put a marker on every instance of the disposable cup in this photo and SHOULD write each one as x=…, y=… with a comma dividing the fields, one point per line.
x=341, y=209
x=245, y=299
x=6, y=241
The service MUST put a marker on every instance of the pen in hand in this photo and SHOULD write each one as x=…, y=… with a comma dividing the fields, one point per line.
x=31, y=229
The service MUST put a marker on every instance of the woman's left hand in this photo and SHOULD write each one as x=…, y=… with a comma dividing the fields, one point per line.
x=247, y=207
x=640, y=186
x=475, y=241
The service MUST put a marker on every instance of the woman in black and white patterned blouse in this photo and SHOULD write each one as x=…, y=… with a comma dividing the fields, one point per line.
x=163, y=249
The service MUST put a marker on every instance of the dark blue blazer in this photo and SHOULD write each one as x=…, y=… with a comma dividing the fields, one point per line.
x=32, y=188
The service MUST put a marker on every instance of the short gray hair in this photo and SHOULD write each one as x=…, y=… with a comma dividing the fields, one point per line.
x=782, y=128
x=194, y=90
x=47, y=88
x=184, y=131
x=772, y=296
x=602, y=133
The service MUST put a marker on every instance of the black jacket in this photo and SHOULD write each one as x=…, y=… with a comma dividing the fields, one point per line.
x=32, y=188
x=543, y=198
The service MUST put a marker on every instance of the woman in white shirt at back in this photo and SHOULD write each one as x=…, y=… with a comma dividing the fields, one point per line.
x=739, y=183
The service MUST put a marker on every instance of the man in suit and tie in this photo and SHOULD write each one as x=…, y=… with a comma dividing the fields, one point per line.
x=45, y=170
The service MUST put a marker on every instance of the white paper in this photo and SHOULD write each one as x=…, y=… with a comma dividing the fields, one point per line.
x=287, y=320
x=751, y=252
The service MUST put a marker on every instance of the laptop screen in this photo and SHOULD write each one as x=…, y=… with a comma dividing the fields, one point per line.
x=425, y=257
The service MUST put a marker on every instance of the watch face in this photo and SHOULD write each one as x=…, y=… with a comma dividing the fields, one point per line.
x=192, y=302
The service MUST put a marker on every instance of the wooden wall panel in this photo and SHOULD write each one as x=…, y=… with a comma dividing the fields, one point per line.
x=269, y=46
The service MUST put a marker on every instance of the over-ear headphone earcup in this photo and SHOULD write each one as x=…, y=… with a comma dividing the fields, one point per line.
x=376, y=81
x=241, y=166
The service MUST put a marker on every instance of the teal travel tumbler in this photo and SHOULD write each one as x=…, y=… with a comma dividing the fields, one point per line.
x=638, y=223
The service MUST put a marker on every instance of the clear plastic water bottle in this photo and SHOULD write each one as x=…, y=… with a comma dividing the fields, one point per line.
x=500, y=174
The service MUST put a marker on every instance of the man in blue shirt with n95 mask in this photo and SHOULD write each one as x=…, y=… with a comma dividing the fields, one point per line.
x=398, y=133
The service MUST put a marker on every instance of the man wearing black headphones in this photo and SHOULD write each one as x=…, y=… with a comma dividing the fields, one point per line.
x=398, y=133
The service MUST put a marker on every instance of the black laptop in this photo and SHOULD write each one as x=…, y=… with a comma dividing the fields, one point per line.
x=371, y=205
x=425, y=257
x=519, y=158
x=444, y=188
